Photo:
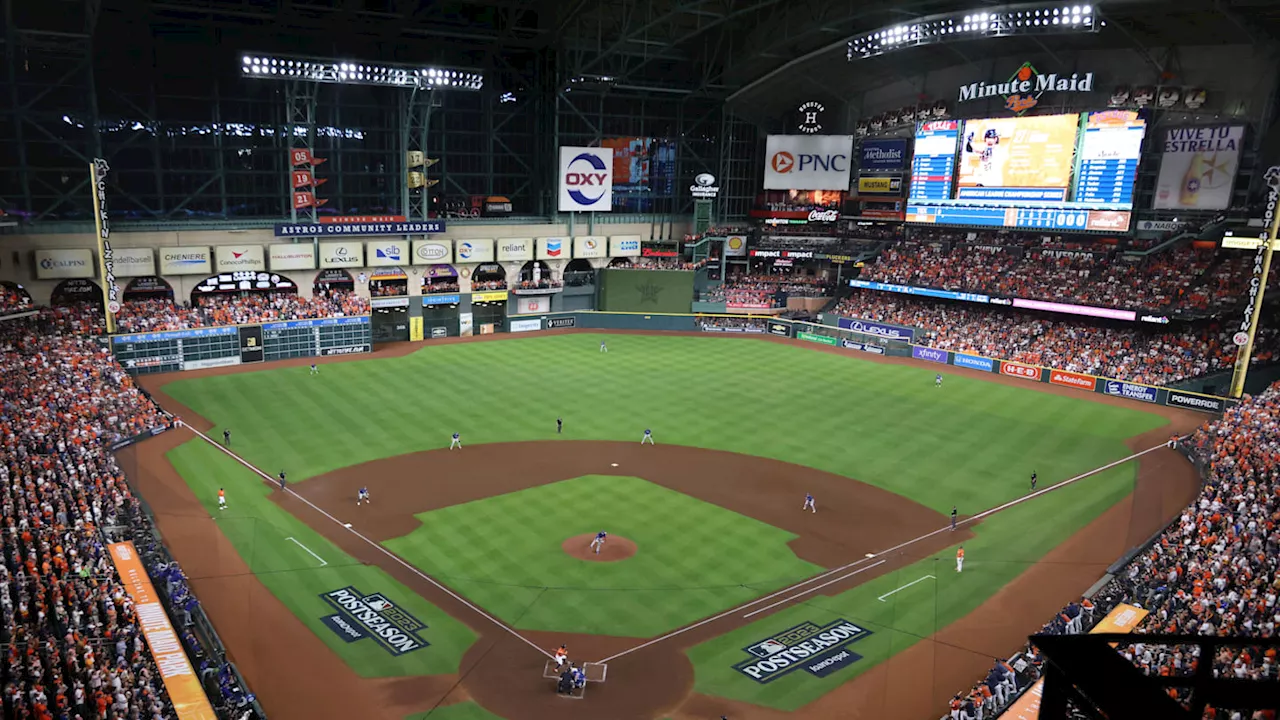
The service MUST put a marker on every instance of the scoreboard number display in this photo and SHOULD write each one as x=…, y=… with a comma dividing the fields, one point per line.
x=178, y=350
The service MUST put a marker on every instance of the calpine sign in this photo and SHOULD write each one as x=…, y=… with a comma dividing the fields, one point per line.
x=1023, y=89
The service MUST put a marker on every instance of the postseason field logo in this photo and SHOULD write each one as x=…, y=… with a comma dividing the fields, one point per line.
x=362, y=616
x=817, y=649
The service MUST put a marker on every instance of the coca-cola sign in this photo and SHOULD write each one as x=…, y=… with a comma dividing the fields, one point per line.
x=824, y=215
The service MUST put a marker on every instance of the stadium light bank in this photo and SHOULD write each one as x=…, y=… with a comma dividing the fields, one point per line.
x=278, y=67
x=1006, y=21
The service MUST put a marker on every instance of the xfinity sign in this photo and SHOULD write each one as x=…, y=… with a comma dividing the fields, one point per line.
x=798, y=162
x=586, y=179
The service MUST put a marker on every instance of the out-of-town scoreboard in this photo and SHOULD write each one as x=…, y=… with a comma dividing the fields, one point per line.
x=177, y=350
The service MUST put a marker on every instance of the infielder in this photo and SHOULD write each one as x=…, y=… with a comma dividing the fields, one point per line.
x=937, y=380
x=222, y=499
x=809, y=504
x=363, y=496
x=457, y=442
x=598, y=542
x=603, y=348
x=960, y=559
x=648, y=437
x=314, y=370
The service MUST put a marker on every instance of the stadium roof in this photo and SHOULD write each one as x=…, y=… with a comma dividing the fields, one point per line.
x=715, y=48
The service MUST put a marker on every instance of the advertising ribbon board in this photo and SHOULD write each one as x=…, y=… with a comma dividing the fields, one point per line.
x=813, y=337
x=920, y=352
x=1072, y=379
x=893, y=332
x=180, y=680
x=1122, y=619
x=1132, y=391
x=1203, y=403
x=976, y=362
x=496, y=296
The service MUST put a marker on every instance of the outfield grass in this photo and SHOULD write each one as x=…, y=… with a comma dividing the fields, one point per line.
x=693, y=560
x=461, y=711
x=970, y=443
x=259, y=529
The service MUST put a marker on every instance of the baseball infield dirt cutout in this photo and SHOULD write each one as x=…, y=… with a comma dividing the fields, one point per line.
x=615, y=548
x=502, y=673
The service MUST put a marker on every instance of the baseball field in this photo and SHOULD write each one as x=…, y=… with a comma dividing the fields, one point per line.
x=715, y=594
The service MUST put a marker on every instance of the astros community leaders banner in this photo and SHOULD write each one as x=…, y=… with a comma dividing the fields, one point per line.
x=586, y=179
x=808, y=162
x=1198, y=167
x=189, y=700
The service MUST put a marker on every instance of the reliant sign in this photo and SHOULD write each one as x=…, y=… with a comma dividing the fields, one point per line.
x=1023, y=89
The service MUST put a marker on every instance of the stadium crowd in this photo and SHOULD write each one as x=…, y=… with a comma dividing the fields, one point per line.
x=761, y=289
x=1213, y=571
x=13, y=301
x=1156, y=355
x=72, y=644
x=214, y=310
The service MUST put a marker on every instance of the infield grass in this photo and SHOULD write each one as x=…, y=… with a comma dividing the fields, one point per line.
x=693, y=560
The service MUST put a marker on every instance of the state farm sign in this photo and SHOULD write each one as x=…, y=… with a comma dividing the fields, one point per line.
x=1071, y=379
x=1026, y=372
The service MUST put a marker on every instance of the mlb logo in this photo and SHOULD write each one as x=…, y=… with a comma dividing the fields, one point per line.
x=377, y=602
x=766, y=648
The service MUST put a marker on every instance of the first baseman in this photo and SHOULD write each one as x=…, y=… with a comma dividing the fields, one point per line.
x=809, y=504
x=960, y=559
x=222, y=499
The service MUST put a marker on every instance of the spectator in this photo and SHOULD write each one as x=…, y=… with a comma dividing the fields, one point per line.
x=242, y=309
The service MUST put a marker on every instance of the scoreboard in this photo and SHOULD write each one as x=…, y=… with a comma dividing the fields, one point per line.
x=178, y=350
x=933, y=165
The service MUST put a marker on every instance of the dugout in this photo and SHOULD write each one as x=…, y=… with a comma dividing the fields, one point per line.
x=76, y=292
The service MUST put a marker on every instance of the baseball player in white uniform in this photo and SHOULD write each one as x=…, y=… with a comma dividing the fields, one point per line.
x=809, y=504
x=648, y=437
x=598, y=543
x=456, y=442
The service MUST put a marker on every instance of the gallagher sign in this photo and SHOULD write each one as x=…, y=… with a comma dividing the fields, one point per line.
x=586, y=179
x=817, y=649
x=1023, y=89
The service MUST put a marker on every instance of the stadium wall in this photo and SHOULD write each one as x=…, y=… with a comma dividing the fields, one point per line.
x=655, y=291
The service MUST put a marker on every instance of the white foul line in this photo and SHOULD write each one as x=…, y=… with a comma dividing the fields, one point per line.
x=899, y=546
x=371, y=543
x=323, y=562
x=783, y=601
x=904, y=587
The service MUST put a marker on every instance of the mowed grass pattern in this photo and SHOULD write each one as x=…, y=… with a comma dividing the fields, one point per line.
x=693, y=558
x=970, y=443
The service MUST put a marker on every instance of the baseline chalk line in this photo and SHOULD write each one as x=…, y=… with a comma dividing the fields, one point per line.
x=904, y=587
x=783, y=601
x=323, y=562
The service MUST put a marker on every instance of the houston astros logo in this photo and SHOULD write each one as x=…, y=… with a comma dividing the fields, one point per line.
x=783, y=162
x=649, y=292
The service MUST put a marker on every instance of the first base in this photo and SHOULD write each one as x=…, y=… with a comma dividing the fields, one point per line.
x=346, y=525
x=614, y=465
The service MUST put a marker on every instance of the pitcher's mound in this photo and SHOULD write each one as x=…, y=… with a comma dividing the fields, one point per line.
x=615, y=548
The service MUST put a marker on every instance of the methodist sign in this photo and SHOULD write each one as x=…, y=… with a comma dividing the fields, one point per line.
x=800, y=162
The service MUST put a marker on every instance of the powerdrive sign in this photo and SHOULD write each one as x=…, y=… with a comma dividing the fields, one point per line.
x=373, y=616
x=819, y=650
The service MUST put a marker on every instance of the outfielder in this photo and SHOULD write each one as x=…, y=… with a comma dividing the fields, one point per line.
x=648, y=437
x=937, y=380
x=363, y=496
x=960, y=559
x=314, y=370
x=222, y=499
x=598, y=542
x=456, y=442
x=603, y=348
x=809, y=504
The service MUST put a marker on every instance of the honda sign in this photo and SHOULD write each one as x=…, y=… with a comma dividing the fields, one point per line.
x=798, y=162
x=586, y=179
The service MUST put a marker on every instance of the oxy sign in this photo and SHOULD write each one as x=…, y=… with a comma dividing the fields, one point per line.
x=800, y=162
x=586, y=179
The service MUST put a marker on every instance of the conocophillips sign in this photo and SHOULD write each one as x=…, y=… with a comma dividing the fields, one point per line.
x=233, y=258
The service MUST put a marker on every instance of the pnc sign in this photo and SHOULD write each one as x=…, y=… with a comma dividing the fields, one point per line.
x=816, y=162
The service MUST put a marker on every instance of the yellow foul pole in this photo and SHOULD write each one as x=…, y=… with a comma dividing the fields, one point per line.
x=1257, y=289
x=98, y=182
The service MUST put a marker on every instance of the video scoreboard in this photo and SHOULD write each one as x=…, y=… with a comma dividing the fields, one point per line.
x=178, y=350
x=1072, y=172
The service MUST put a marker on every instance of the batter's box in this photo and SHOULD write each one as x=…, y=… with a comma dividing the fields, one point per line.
x=596, y=672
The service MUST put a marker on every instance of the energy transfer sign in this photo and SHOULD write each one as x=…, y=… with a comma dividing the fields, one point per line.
x=817, y=649
x=800, y=162
x=586, y=179
x=373, y=616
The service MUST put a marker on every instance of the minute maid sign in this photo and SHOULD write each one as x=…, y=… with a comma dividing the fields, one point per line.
x=1023, y=89
x=373, y=616
x=817, y=649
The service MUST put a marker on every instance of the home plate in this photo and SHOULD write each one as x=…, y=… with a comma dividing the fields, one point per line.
x=346, y=525
x=614, y=465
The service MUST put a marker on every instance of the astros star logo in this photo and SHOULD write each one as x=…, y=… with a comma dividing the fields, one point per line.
x=649, y=292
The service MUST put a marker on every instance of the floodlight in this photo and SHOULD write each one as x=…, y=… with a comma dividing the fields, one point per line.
x=358, y=73
x=1040, y=18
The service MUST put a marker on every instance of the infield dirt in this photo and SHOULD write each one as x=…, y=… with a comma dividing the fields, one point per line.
x=296, y=676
